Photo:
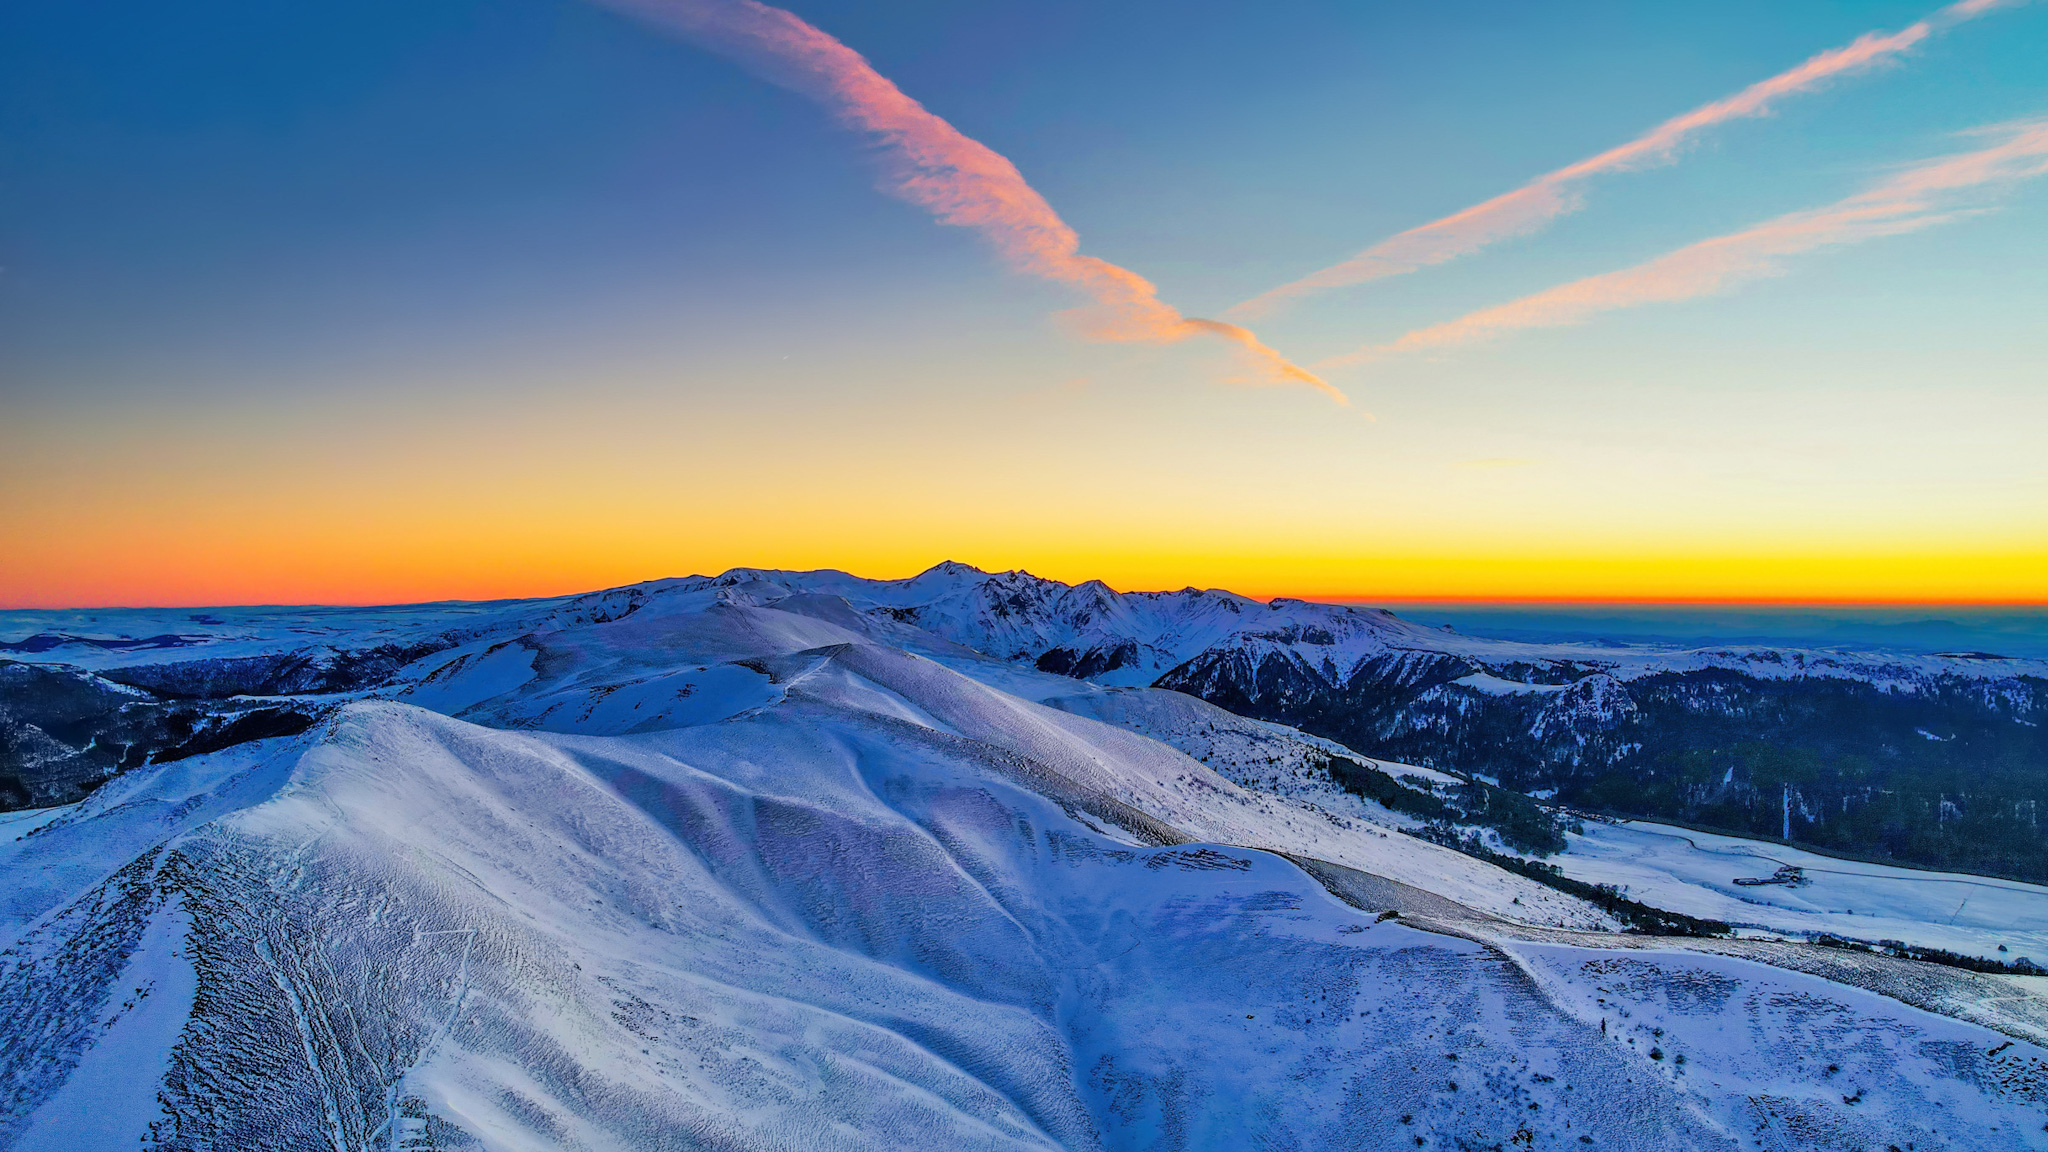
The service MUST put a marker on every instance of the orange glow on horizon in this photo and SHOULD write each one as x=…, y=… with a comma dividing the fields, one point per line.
x=1691, y=601
x=316, y=572
x=336, y=505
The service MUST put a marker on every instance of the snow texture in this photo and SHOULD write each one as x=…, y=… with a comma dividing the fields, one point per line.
x=1694, y=872
x=759, y=863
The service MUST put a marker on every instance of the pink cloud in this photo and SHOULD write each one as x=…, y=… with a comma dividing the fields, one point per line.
x=1914, y=198
x=959, y=180
x=1530, y=207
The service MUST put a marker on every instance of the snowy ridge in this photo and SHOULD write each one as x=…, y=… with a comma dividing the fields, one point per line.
x=1113, y=638
x=765, y=861
x=1135, y=638
x=685, y=652
x=810, y=927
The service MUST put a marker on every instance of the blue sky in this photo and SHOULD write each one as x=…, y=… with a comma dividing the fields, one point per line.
x=439, y=242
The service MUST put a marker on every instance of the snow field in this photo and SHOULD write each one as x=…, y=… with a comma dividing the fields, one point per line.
x=1693, y=872
x=749, y=869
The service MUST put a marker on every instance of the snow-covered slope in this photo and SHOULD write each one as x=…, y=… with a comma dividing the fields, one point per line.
x=887, y=908
x=695, y=656
x=1091, y=631
x=685, y=652
x=752, y=862
x=1086, y=630
x=1695, y=873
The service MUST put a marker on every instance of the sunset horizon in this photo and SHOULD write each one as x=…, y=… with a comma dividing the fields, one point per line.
x=1023, y=576
x=1573, y=592
x=1762, y=324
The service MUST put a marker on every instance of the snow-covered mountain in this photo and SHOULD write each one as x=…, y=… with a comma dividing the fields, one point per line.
x=1092, y=632
x=1938, y=760
x=798, y=861
x=1087, y=631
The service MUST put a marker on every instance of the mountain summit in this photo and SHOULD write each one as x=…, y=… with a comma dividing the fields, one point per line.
x=796, y=860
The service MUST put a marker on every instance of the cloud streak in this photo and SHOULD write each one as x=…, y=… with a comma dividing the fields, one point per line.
x=1535, y=204
x=1921, y=196
x=959, y=180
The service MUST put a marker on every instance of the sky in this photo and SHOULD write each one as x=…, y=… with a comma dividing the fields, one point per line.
x=393, y=301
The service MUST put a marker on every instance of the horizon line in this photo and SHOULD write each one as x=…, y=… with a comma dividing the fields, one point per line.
x=1707, y=601
x=1364, y=599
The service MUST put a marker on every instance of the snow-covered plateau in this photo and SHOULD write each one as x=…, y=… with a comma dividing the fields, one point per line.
x=1696, y=873
x=799, y=861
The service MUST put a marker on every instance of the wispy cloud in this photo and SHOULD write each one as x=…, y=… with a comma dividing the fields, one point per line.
x=1556, y=194
x=958, y=179
x=1913, y=198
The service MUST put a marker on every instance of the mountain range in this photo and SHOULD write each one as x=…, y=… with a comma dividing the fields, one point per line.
x=800, y=860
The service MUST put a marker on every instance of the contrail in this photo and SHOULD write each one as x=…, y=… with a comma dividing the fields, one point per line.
x=1548, y=197
x=959, y=180
x=1918, y=197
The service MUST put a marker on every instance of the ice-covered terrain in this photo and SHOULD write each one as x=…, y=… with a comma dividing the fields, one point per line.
x=1086, y=630
x=758, y=862
x=1677, y=869
x=1134, y=638
x=1695, y=873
